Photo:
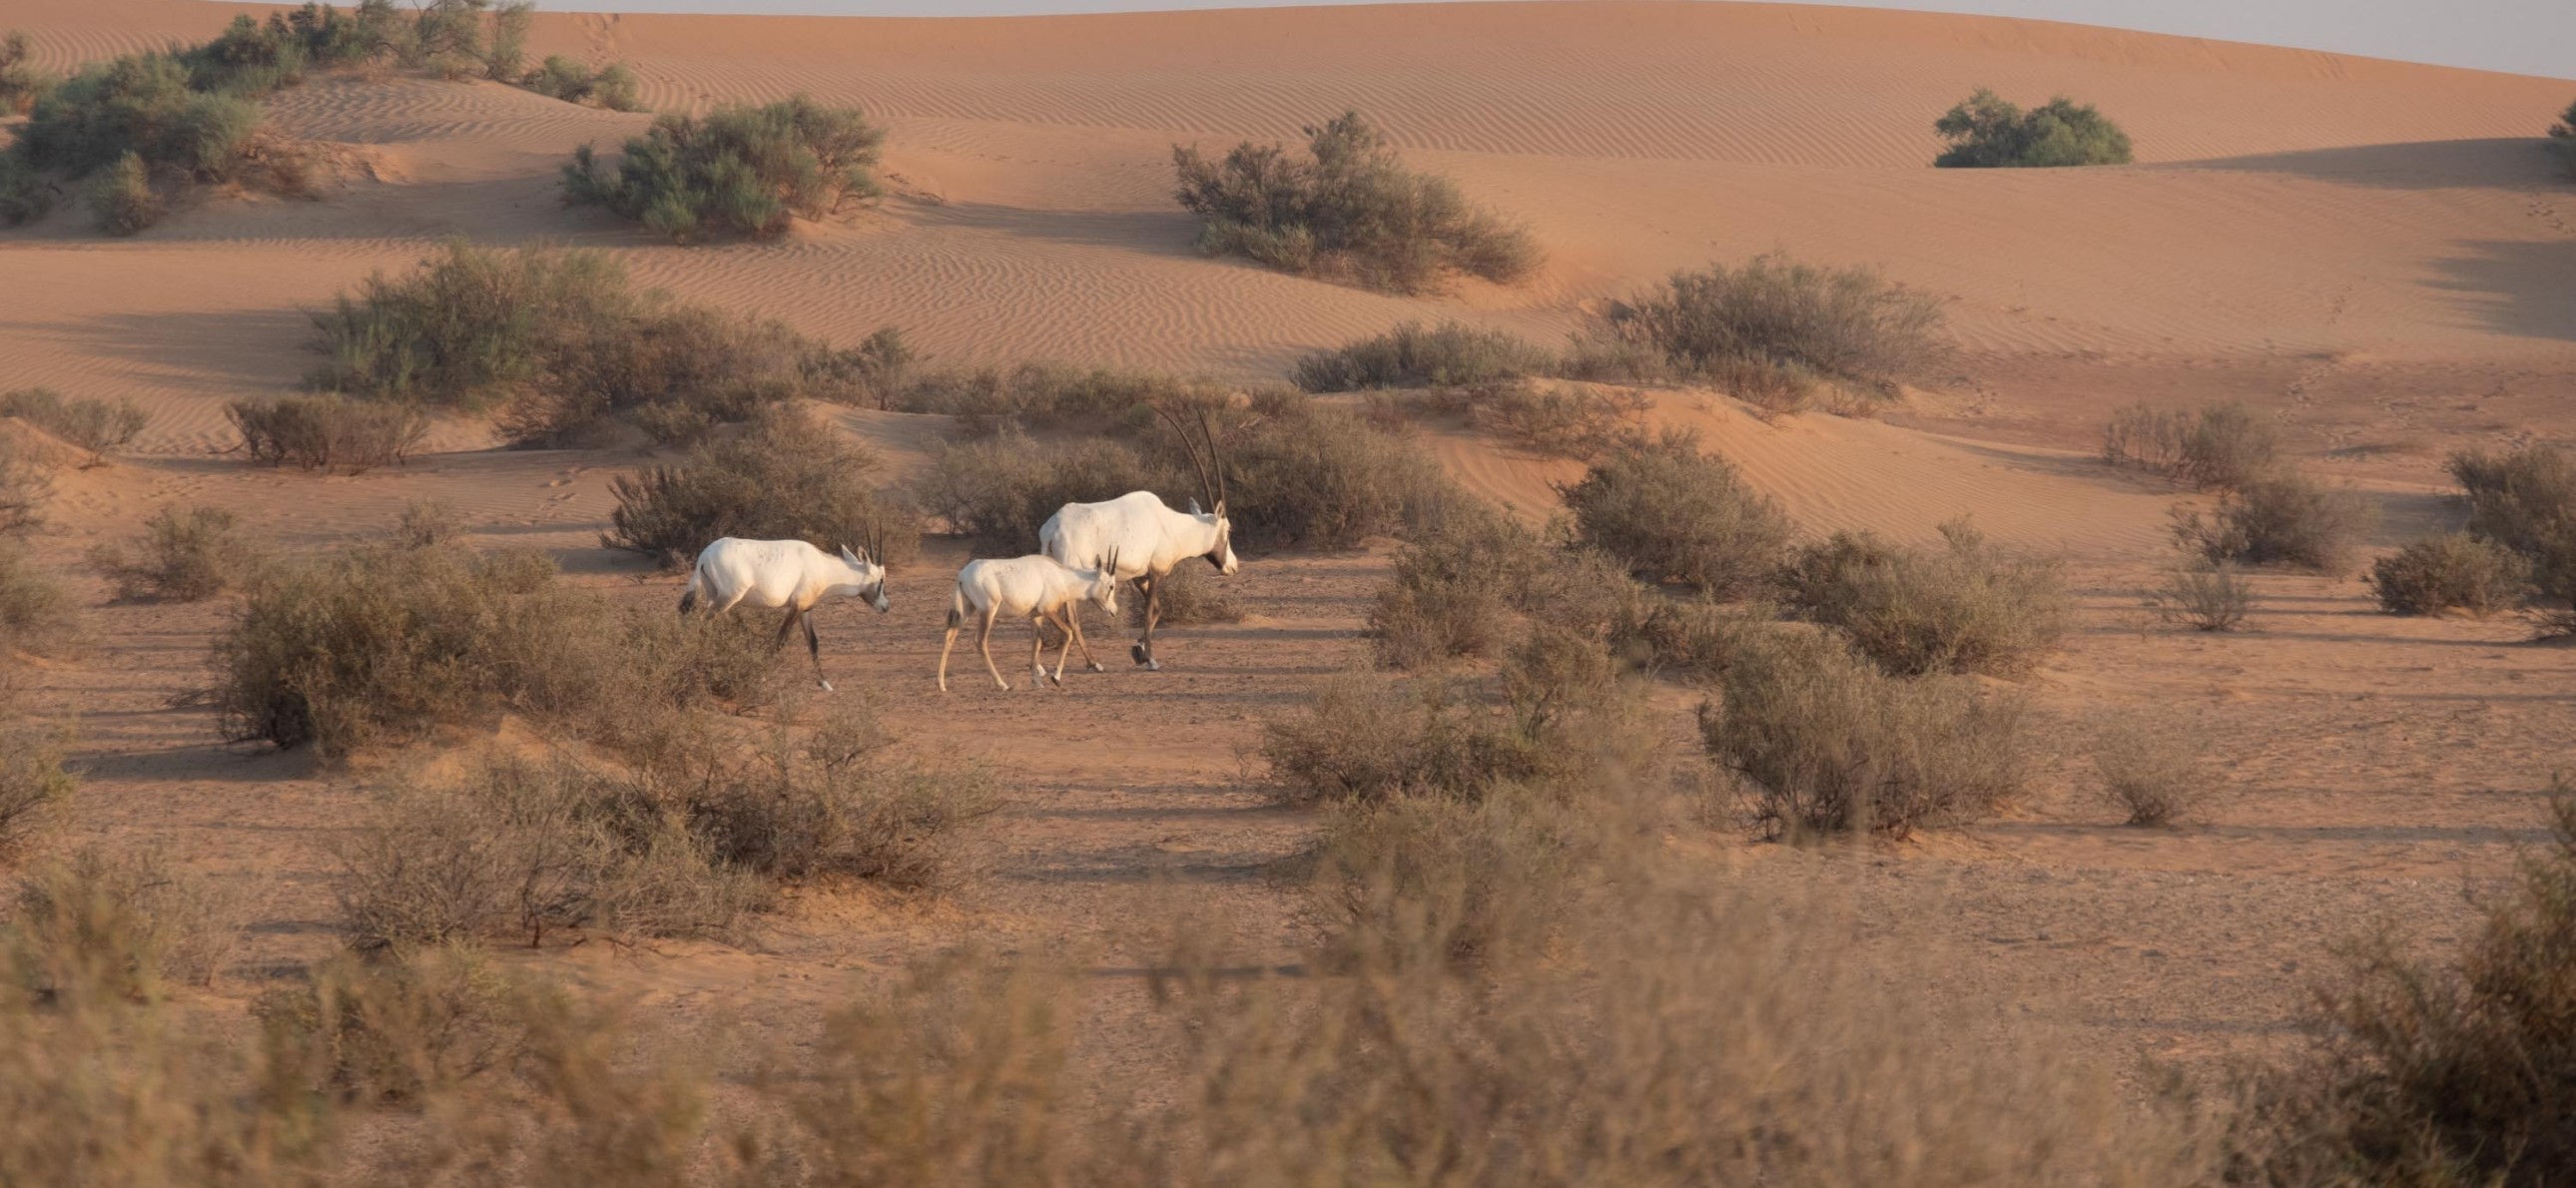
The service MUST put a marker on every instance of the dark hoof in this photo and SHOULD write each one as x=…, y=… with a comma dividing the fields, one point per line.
x=1138, y=651
x=1094, y=666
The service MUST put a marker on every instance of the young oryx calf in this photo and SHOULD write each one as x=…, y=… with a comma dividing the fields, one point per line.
x=769, y=574
x=1038, y=588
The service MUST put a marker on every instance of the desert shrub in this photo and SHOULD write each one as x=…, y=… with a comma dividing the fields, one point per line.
x=2562, y=135
x=2220, y=447
x=2284, y=518
x=1186, y=597
x=25, y=195
x=184, y=556
x=1314, y=475
x=2453, y=572
x=36, y=613
x=611, y=86
x=144, y=105
x=33, y=781
x=987, y=400
x=869, y=375
x=1687, y=638
x=120, y=198
x=20, y=85
x=784, y=477
x=26, y=481
x=1484, y=875
x=1550, y=722
x=747, y=170
x=427, y=523
x=326, y=432
x=998, y=491
x=1673, y=513
x=97, y=427
x=1564, y=422
x=506, y=50
x=2525, y=500
x=523, y=849
x=1774, y=330
x=1967, y=606
x=469, y=325
x=1446, y=598
x=396, y=1026
x=2439, y=1072
x=559, y=342
x=1821, y=740
x=1450, y=355
x=123, y=924
x=2155, y=776
x=1350, y=209
x=1987, y=132
x=345, y=649
x=2205, y=598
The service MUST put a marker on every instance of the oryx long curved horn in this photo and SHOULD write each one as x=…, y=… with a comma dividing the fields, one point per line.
x=1216, y=461
x=1207, y=485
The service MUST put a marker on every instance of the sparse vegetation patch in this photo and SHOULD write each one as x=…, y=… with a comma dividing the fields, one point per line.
x=1967, y=606
x=2220, y=447
x=185, y=555
x=2453, y=572
x=738, y=170
x=1349, y=210
x=1773, y=332
x=1672, y=513
x=783, y=477
x=1450, y=355
x=1986, y=132
x=98, y=428
x=327, y=432
x=2283, y=518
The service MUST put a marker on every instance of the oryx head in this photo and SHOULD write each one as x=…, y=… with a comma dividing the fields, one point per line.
x=867, y=578
x=1104, y=585
x=1211, y=469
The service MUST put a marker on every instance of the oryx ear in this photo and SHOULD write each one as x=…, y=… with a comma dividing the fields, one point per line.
x=1194, y=508
x=1220, y=509
x=855, y=559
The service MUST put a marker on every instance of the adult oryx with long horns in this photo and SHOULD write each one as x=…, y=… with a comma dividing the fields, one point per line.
x=771, y=574
x=1145, y=536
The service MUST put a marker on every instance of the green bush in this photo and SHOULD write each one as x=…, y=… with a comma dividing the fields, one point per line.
x=561, y=345
x=1824, y=741
x=784, y=477
x=25, y=195
x=2284, y=518
x=120, y=198
x=1987, y=132
x=1672, y=513
x=1773, y=331
x=507, y=49
x=2438, y=1073
x=1451, y=355
x=611, y=86
x=326, y=432
x=2562, y=135
x=184, y=556
x=469, y=326
x=2525, y=500
x=20, y=85
x=97, y=427
x=144, y=105
x=747, y=170
x=2453, y=572
x=1348, y=210
x=1965, y=607
x=2220, y=447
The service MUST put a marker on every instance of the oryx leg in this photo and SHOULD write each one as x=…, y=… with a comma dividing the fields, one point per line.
x=944, y=645
x=1149, y=586
x=984, y=644
x=787, y=627
x=1075, y=637
x=1065, y=620
x=814, y=648
x=1037, y=649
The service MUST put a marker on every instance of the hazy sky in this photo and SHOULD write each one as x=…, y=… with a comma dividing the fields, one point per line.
x=2525, y=36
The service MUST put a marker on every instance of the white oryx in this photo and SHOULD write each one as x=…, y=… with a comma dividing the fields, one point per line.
x=1141, y=538
x=770, y=574
x=1037, y=588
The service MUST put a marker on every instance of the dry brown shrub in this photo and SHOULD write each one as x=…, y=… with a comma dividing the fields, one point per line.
x=2205, y=598
x=2156, y=775
x=1820, y=740
x=1673, y=513
x=1968, y=606
x=37, y=614
x=96, y=923
x=2220, y=447
x=2454, y=572
x=785, y=477
x=185, y=555
x=26, y=480
x=327, y=432
x=99, y=429
x=428, y=523
x=2282, y=518
x=1187, y=597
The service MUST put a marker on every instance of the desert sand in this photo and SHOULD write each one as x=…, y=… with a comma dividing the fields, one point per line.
x=2375, y=254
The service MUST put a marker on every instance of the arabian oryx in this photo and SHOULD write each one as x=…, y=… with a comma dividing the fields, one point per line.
x=770, y=574
x=1143, y=539
x=1037, y=588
